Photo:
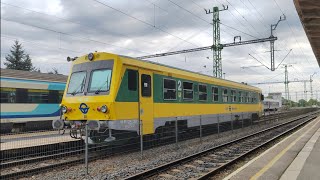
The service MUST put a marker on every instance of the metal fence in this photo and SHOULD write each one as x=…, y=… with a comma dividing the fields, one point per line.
x=29, y=151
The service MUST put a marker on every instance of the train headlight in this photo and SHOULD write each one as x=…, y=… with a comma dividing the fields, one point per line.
x=90, y=56
x=104, y=109
x=64, y=109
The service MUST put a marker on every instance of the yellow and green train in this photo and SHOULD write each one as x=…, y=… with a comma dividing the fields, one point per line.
x=118, y=92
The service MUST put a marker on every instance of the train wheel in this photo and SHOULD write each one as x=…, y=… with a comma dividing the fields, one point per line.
x=97, y=137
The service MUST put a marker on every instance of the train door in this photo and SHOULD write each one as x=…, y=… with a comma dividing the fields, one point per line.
x=146, y=100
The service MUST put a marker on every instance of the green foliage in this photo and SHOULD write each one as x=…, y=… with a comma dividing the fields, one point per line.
x=18, y=59
x=311, y=102
x=301, y=103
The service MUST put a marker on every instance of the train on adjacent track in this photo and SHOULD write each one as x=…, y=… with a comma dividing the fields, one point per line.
x=271, y=104
x=112, y=93
x=30, y=100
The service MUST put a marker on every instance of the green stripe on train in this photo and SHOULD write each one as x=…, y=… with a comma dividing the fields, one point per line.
x=124, y=94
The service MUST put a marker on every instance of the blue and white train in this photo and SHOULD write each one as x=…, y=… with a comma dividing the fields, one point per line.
x=29, y=100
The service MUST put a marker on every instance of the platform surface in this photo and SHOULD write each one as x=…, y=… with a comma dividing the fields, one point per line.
x=33, y=139
x=307, y=163
x=295, y=157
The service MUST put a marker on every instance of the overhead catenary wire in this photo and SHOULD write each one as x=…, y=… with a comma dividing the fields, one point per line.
x=236, y=20
x=243, y=17
x=144, y=22
x=68, y=34
x=249, y=9
x=292, y=32
x=180, y=21
x=39, y=44
x=259, y=61
x=284, y=58
x=208, y=21
x=67, y=20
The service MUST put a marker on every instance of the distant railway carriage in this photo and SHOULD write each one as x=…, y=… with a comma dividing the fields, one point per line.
x=30, y=100
x=108, y=90
x=271, y=104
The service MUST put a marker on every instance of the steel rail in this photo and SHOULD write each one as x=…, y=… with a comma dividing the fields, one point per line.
x=162, y=168
x=77, y=161
x=220, y=168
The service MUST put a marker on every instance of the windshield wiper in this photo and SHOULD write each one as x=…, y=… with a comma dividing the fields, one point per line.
x=80, y=86
x=99, y=89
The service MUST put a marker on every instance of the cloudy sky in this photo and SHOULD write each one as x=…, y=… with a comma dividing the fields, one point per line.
x=51, y=30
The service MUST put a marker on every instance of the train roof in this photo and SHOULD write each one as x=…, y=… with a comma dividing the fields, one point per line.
x=271, y=100
x=19, y=74
x=184, y=70
x=165, y=68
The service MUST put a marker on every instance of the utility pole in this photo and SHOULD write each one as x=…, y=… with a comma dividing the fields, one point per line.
x=297, y=97
x=286, y=81
x=273, y=27
x=305, y=89
x=216, y=47
x=311, y=84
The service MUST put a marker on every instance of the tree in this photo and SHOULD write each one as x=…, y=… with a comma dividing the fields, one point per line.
x=54, y=71
x=302, y=103
x=18, y=59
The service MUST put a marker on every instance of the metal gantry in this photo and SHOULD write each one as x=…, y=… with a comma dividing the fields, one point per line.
x=311, y=84
x=208, y=47
x=217, y=46
x=273, y=28
x=286, y=81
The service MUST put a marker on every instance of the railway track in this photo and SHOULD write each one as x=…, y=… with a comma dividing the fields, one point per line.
x=71, y=156
x=10, y=159
x=207, y=163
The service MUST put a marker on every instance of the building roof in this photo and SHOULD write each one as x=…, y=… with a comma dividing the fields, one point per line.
x=309, y=13
x=18, y=74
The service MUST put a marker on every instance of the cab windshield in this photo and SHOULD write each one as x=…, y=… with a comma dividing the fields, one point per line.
x=77, y=82
x=100, y=80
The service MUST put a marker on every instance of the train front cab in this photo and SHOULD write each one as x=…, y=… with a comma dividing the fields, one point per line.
x=106, y=106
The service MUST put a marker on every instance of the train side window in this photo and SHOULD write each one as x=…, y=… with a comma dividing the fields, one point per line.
x=253, y=97
x=215, y=94
x=241, y=96
x=233, y=96
x=132, y=80
x=187, y=90
x=250, y=97
x=53, y=97
x=22, y=95
x=8, y=95
x=38, y=96
x=145, y=85
x=247, y=97
x=169, y=89
x=225, y=97
x=202, y=92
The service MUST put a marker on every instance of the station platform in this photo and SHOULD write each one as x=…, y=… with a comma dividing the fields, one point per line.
x=295, y=157
x=18, y=141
